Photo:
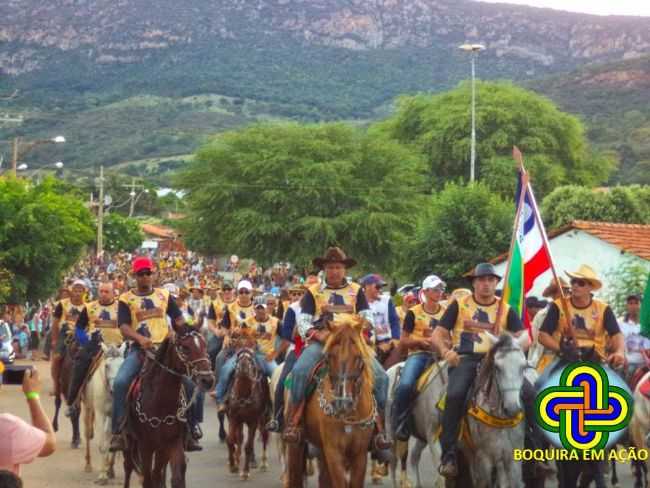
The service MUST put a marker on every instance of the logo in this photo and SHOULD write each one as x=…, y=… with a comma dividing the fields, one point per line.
x=584, y=408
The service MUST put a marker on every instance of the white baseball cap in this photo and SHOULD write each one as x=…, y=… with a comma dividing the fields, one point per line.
x=244, y=284
x=79, y=282
x=433, y=281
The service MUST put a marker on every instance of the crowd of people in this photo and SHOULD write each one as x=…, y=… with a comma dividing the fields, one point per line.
x=141, y=299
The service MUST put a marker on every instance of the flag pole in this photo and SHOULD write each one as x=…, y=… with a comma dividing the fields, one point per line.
x=520, y=206
x=563, y=299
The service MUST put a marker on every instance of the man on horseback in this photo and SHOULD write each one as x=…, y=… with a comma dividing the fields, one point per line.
x=262, y=327
x=215, y=313
x=99, y=319
x=461, y=338
x=592, y=326
x=384, y=315
x=65, y=314
x=321, y=304
x=419, y=323
x=141, y=317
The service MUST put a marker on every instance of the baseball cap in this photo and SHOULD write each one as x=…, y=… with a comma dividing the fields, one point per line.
x=433, y=281
x=79, y=282
x=227, y=285
x=141, y=263
x=373, y=279
x=244, y=284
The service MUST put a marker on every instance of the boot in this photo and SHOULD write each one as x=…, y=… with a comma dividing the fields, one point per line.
x=448, y=467
x=380, y=441
x=402, y=425
x=192, y=445
x=293, y=431
x=117, y=443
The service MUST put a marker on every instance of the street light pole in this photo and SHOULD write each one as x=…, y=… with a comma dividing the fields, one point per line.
x=100, y=214
x=133, y=187
x=473, y=49
x=14, y=156
x=16, y=143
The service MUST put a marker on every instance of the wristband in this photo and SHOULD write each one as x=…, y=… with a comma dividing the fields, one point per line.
x=32, y=395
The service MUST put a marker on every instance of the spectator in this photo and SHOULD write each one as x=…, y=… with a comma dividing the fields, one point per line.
x=21, y=442
x=9, y=480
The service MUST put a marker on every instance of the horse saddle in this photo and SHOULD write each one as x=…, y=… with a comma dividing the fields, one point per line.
x=134, y=389
x=427, y=377
x=315, y=376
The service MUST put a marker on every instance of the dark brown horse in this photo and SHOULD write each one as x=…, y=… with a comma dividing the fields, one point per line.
x=340, y=415
x=247, y=404
x=157, y=422
x=61, y=390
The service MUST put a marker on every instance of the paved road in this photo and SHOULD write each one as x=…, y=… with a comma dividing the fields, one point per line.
x=64, y=469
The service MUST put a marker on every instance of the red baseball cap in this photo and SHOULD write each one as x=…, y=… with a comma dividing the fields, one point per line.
x=140, y=263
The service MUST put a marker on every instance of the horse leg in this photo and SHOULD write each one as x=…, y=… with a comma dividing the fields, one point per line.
x=147, y=456
x=335, y=467
x=324, y=480
x=76, y=431
x=178, y=465
x=222, y=430
x=89, y=424
x=416, y=455
x=249, y=450
x=265, y=441
x=57, y=407
x=357, y=470
x=296, y=454
x=233, y=459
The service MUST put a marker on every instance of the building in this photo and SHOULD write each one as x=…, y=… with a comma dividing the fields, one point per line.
x=602, y=245
x=161, y=239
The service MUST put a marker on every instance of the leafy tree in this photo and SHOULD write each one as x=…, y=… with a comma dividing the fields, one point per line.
x=629, y=278
x=553, y=142
x=5, y=284
x=122, y=233
x=285, y=191
x=463, y=226
x=42, y=234
x=619, y=204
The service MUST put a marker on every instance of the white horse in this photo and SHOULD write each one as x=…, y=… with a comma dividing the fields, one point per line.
x=640, y=426
x=97, y=400
x=493, y=446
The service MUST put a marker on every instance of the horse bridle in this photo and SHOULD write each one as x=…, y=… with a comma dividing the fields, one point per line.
x=190, y=365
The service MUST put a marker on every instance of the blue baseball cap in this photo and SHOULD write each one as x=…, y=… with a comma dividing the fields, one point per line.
x=373, y=279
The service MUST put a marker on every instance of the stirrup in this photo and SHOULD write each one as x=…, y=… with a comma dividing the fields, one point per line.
x=381, y=442
x=292, y=435
x=448, y=467
x=273, y=426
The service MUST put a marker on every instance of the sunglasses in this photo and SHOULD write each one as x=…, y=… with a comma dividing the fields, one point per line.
x=143, y=273
x=580, y=283
x=244, y=291
x=295, y=293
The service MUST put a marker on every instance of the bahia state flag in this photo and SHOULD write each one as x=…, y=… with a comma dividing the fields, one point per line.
x=529, y=255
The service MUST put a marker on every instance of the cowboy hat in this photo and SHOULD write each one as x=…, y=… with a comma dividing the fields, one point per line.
x=586, y=273
x=551, y=289
x=334, y=255
x=484, y=269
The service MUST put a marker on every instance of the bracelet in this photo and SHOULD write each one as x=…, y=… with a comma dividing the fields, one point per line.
x=32, y=395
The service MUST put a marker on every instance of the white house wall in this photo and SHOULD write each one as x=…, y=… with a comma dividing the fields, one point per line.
x=574, y=248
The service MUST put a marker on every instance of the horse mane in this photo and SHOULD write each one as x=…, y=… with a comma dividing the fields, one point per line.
x=485, y=373
x=352, y=330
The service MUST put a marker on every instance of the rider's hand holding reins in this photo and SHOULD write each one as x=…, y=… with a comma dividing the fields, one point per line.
x=616, y=359
x=452, y=358
x=145, y=342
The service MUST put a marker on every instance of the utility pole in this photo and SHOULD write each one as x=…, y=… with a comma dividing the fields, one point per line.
x=14, y=156
x=100, y=214
x=133, y=187
x=473, y=50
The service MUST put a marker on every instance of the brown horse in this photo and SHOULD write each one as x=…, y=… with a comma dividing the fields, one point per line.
x=61, y=392
x=340, y=415
x=247, y=404
x=157, y=423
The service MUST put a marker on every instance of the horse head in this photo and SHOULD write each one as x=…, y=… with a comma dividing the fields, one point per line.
x=192, y=356
x=348, y=362
x=506, y=362
x=113, y=359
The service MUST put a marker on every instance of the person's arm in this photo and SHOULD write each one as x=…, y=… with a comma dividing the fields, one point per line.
x=393, y=319
x=126, y=327
x=80, y=328
x=546, y=331
x=212, y=320
x=617, y=341
x=174, y=313
x=32, y=389
x=442, y=339
x=307, y=312
x=58, y=313
x=406, y=340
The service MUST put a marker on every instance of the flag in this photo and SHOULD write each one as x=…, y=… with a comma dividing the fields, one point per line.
x=529, y=255
x=644, y=318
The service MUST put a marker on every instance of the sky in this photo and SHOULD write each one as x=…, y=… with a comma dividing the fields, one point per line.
x=598, y=7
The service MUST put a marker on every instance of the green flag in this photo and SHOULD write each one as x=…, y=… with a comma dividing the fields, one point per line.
x=645, y=310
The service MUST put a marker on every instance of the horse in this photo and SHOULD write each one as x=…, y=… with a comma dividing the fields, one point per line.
x=97, y=399
x=640, y=430
x=340, y=416
x=65, y=376
x=156, y=419
x=247, y=404
x=496, y=390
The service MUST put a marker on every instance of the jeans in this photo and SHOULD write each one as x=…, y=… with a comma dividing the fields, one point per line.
x=415, y=365
x=308, y=360
x=228, y=370
x=125, y=376
x=215, y=344
x=460, y=381
x=278, y=398
x=195, y=412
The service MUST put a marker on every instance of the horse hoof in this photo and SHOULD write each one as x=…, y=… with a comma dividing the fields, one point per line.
x=88, y=468
x=253, y=464
x=244, y=476
x=382, y=470
x=310, y=468
x=75, y=444
x=111, y=473
x=264, y=467
x=101, y=481
x=234, y=469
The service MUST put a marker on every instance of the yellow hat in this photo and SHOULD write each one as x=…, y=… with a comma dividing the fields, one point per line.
x=586, y=273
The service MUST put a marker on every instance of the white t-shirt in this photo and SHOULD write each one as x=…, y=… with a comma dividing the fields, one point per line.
x=634, y=341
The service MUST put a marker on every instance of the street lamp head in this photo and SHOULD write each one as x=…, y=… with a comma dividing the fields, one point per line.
x=22, y=167
x=474, y=48
x=478, y=47
x=58, y=139
x=58, y=165
x=132, y=194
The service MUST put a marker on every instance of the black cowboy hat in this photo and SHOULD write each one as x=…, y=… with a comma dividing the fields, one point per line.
x=334, y=255
x=484, y=269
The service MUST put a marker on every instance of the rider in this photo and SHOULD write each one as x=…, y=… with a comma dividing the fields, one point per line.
x=99, y=319
x=287, y=336
x=593, y=326
x=141, y=317
x=215, y=313
x=384, y=315
x=635, y=343
x=462, y=325
x=321, y=304
x=419, y=323
x=263, y=327
x=65, y=314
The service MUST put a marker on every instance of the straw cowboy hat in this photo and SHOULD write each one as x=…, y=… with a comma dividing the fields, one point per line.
x=552, y=290
x=334, y=255
x=586, y=273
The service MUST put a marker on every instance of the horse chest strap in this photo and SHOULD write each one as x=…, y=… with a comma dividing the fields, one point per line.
x=496, y=422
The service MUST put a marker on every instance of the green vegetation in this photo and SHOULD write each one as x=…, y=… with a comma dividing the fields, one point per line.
x=121, y=233
x=629, y=204
x=628, y=279
x=461, y=226
x=285, y=191
x=553, y=142
x=42, y=234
